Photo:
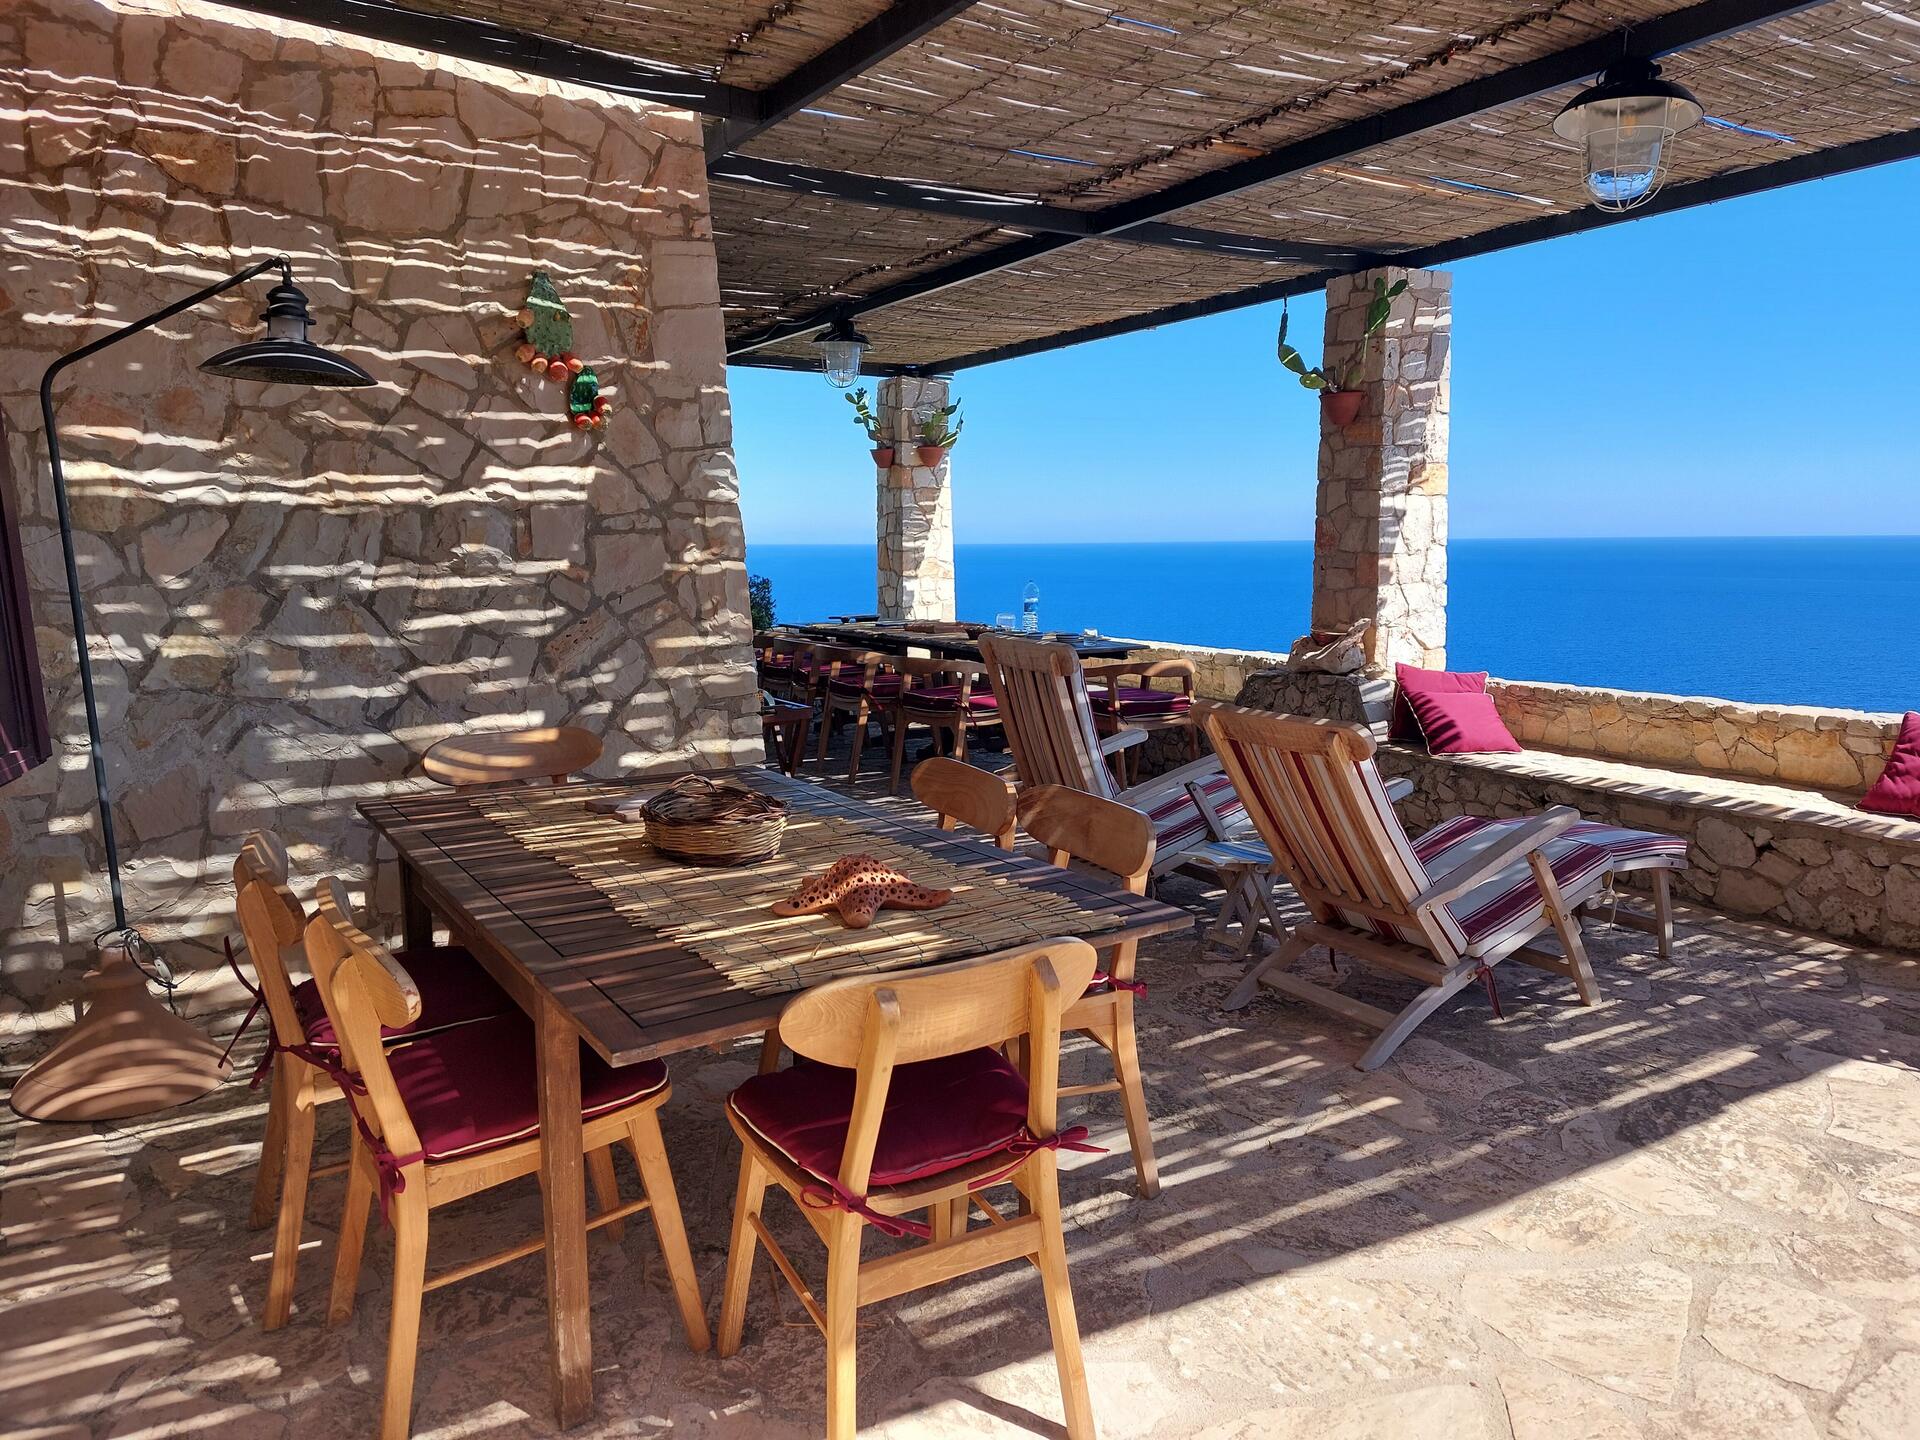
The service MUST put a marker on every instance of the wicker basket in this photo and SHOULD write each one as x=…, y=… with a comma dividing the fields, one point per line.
x=705, y=823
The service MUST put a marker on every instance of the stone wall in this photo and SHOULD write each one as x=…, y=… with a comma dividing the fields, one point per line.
x=296, y=592
x=913, y=521
x=1380, y=520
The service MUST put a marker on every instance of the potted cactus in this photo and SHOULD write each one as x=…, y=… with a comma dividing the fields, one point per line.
x=864, y=417
x=1338, y=401
x=939, y=432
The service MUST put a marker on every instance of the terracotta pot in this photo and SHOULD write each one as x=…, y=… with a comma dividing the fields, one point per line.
x=932, y=455
x=883, y=456
x=1342, y=407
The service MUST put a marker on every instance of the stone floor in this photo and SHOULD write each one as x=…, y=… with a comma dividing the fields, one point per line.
x=1693, y=1211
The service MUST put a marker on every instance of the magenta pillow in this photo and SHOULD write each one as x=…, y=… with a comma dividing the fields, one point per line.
x=1411, y=680
x=1897, y=791
x=1463, y=722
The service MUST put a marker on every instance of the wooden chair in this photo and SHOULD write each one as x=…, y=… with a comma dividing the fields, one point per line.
x=859, y=683
x=775, y=657
x=1443, y=916
x=949, y=697
x=957, y=791
x=1117, y=839
x=302, y=1055
x=455, y=1113
x=909, y=1076
x=1042, y=692
x=1143, y=705
x=489, y=756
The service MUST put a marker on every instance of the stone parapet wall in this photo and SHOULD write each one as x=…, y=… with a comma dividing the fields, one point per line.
x=295, y=593
x=1791, y=744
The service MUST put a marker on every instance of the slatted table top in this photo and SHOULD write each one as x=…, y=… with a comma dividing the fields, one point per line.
x=637, y=992
x=897, y=639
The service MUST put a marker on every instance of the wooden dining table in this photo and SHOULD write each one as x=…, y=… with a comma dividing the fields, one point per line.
x=599, y=939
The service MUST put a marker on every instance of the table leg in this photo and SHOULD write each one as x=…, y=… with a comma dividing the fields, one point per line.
x=564, y=1197
x=416, y=920
x=797, y=751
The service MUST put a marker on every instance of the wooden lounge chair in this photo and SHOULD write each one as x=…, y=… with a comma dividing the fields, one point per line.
x=958, y=792
x=1313, y=793
x=912, y=1109
x=1042, y=690
x=1117, y=839
x=458, y=1112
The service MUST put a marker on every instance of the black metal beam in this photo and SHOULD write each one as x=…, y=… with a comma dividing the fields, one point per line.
x=1682, y=29
x=1012, y=211
x=894, y=28
x=1816, y=165
x=490, y=44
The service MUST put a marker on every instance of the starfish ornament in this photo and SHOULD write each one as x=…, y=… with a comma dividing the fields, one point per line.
x=859, y=887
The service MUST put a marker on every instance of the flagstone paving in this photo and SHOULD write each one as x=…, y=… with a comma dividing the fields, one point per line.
x=1691, y=1212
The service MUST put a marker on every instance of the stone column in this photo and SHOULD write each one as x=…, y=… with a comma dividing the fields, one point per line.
x=1380, y=533
x=915, y=510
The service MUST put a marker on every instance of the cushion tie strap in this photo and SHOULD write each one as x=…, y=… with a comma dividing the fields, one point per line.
x=252, y=989
x=1132, y=987
x=392, y=1168
x=321, y=1057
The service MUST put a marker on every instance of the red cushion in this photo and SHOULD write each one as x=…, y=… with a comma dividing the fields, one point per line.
x=1462, y=723
x=454, y=990
x=1411, y=679
x=854, y=684
x=940, y=1114
x=1897, y=791
x=1143, y=702
x=474, y=1089
x=947, y=697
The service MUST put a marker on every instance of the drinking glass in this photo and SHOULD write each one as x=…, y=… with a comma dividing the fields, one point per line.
x=1003, y=621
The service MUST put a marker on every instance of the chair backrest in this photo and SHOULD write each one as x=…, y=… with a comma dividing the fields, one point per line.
x=1103, y=833
x=871, y=1023
x=1315, y=796
x=957, y=791
x=550, y=753
x=1044, y=711
x=363, y=988
x=271, y=921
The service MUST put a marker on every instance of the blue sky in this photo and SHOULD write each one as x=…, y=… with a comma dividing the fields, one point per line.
x=1747, y=368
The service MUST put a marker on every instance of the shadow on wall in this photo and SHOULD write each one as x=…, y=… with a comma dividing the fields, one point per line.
x=296, y=592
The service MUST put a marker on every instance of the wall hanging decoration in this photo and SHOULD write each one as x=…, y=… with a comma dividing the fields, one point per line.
x=547, y=350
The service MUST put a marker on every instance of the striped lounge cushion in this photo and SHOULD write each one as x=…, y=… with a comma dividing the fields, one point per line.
x=1509, y=904
x=1178, y=823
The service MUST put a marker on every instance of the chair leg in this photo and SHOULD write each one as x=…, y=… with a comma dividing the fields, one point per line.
x=663, y=1203
x=273, y=1146
x=843, y=1299
x=1566, y=929
x=298, y=1164
x=1411, y=1018
x=353, y=1235
x=826, y=732
x=606, y=1188
x=1291, y=949
x=899, y=753
x=859, y=741
x=1133, y=1097
x=403, y=1329
x=1663, y=912
x=746, y=1209
x=1043, y=1189
x=960, y=742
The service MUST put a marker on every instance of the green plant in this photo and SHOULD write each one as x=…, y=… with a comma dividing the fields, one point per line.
x=864, y=417
x=760, y=601
x=943, y=427
x=1325, y=378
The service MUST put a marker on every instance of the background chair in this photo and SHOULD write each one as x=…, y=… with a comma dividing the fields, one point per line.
x=1143, y=705
x=912, y=1108
x=1311, y=789
x=1118, y=840
x=860, y=683
x=956, y=791
x=490, y=756
x=949, y=697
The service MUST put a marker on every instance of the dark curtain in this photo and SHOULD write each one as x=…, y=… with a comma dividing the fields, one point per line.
x=24, y=741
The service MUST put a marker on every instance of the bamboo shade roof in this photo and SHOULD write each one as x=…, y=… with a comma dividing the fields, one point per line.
x=1098, y=109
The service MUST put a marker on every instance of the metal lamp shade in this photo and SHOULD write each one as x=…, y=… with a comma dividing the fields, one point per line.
x=1626, y=125
x=285, y=356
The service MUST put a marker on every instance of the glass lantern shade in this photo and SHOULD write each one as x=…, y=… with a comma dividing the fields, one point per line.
x=1626, y=125
x=841, y=350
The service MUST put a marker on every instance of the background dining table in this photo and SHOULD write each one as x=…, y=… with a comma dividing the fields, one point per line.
x=600, y=940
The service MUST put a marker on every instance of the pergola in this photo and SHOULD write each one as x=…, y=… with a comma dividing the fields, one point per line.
x=976, y=181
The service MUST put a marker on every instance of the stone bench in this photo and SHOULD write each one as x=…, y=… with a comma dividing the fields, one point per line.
x=1804, y=857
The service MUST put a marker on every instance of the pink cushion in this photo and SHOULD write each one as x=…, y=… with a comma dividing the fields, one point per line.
x=1411, y=679
x=1897, y=791
x=947, y=697
x=473, y=1089
x=454, y=990
x=940, y=1114
x=1460, y=723
x=1132, y=701
x=855, y=683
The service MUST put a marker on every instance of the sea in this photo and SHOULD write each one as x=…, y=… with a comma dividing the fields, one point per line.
x=1831, y=622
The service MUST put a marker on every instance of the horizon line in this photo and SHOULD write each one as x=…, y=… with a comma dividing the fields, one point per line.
x=1308, y=540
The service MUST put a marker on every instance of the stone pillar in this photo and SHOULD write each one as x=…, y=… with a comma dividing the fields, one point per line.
x=1380, y=532
x=915, y=510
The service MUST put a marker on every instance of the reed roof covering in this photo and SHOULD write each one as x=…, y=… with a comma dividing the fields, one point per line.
x=1105, y=110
